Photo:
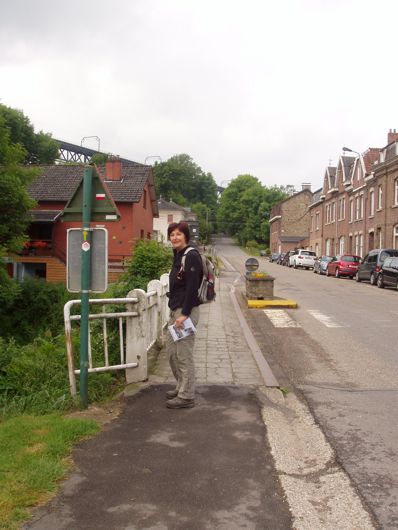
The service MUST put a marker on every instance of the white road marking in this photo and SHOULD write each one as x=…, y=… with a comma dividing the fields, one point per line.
x=327, y=321
x=280, y=319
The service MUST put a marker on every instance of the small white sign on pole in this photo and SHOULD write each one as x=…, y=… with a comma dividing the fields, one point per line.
x=99, y=259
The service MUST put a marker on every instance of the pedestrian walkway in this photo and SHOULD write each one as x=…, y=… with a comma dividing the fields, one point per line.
x=221, y=353
x=193, y=469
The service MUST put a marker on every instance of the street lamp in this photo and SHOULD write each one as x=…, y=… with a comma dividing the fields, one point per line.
x=87, y=137
x=153, y=156
x=351, y=151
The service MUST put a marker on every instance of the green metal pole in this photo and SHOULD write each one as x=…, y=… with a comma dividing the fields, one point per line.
x=85, y=285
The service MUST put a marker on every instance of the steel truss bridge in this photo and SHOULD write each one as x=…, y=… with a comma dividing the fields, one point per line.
x=81, y=155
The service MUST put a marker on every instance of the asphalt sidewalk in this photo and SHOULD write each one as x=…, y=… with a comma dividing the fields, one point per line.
x=209, y=467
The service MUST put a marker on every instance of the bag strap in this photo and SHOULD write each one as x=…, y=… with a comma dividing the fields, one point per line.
x=188, y=249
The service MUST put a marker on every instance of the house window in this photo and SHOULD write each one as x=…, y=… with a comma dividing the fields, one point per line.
x=341, y=245
x=317, y=220
x=395, y=236
x=341, y=209
x=142, y=235
x=360, y=245
x=361, y=206
x=396, y=192
x=380, y=198
x=317, y=248
x=379, y=238
x=169, y=218
x=356, y=244
x=144, y=199
x=351, y=210
x=327, y=213
x=372, y=202
x=328, y=249
x=333, y=215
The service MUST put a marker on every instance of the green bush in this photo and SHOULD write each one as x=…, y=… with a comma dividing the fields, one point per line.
x=36, y=309
x=252, y=244
x=150, y=260
x=34, y=378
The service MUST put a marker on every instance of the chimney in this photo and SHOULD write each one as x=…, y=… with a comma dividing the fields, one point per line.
x=113, y=168
x=392, y=136
x=306, y=186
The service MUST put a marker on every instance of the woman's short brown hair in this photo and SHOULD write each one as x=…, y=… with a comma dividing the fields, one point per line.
x=182, y=226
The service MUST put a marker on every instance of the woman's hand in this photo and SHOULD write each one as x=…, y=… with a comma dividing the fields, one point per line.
x=179, y=323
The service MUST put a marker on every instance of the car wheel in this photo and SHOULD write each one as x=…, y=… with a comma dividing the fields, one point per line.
x=337, y=273
x=373, y=279
x=357, y=279
x=380, y=281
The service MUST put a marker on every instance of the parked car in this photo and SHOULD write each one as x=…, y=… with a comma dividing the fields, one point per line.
x=274, y=256
x=371, y=264
x=302, y=258
x=285, y=260
x=388, y=274
x=280, y=259
x=321, y=264
x=343, y=265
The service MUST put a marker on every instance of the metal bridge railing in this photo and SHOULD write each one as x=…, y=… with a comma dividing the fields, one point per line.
x=140, y=326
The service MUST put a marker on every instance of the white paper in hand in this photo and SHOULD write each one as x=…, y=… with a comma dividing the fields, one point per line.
x=180, y=333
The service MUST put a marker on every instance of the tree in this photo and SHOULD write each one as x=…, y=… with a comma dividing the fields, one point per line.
x=245, y=207
x=183, y=181
x=39, y=148
x=15, y=204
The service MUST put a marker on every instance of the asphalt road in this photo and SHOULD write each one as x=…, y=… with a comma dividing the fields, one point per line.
x=339, y=350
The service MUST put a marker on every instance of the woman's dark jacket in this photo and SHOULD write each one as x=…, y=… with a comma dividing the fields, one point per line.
x=184, y=284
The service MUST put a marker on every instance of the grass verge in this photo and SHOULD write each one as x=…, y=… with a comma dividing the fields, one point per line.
x=34, y=454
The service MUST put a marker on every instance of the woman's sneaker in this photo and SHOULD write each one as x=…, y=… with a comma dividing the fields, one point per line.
x=170, y=394
x=180, y=403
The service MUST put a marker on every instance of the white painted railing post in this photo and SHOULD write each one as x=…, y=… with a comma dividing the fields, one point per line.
x=136, y=340
x=156, y=285
x=164, y=307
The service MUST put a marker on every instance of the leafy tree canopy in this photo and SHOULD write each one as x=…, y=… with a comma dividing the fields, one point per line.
x=15, y=204
x=245, y=207
x=37, y=148
x=183, y=181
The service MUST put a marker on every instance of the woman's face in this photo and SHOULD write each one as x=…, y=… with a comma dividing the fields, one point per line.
x=178, y=239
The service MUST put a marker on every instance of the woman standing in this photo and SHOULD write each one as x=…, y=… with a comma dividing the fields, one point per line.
x=183, y=303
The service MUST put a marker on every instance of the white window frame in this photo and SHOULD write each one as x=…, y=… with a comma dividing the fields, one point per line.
x=317, y=221
x=395, y=236
x=380, y=197
x=341, y=245
x=372, y=202
x=351, y=210
x=396, y=192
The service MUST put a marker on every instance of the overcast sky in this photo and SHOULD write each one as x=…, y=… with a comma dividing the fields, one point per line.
x=270, y=88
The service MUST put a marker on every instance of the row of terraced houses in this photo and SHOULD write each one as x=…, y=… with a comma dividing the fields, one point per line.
x=354, y=212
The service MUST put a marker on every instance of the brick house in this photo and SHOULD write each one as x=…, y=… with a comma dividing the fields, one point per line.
x=358, y=205
x=132, y=189
x=171, y=212
x=289, y=222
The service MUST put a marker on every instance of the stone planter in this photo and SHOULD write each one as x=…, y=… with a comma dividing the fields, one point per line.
x=259, y=286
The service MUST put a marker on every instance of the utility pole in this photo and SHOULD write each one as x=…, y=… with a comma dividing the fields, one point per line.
x=85, y=285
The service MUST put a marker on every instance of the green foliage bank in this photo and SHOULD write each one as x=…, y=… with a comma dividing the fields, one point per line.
x=245, y=208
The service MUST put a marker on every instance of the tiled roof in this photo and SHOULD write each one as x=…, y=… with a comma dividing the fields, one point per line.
x=59, y=182
x=169, y=205
x=348, y=163
x=45, y=216
x=316, y=196
x=370, y=157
